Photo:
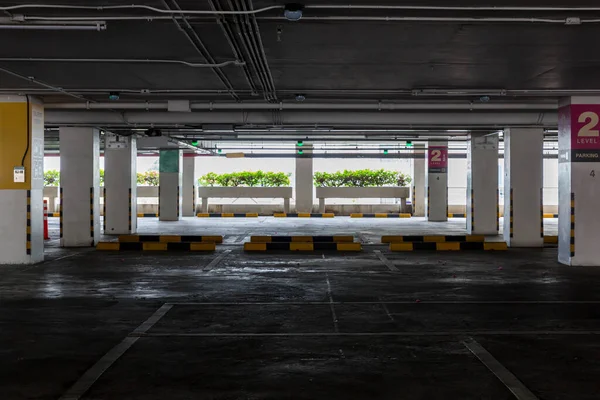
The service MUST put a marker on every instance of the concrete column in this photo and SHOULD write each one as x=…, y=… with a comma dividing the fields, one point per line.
x=437, y=181
x=304, y=180
x=120, y=185
x=419, y=191
x=579, y=181
x=21, y=180
x=189, y=185
x=523, y=184
x=482, y=185
x=80, y=186
x=169, y=188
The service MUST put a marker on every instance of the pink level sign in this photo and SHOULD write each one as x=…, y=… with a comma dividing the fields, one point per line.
x=438, y=159
x=585, y=127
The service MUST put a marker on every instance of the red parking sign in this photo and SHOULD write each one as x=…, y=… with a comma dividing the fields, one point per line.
x=438, y=159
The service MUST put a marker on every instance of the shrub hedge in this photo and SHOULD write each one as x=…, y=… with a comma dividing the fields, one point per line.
x=149, y=178
x=51, y=178
x=361, y=178
x=247, y=178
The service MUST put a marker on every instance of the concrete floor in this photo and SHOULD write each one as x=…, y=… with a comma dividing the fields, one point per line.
x=298, y=326
x=367, y=230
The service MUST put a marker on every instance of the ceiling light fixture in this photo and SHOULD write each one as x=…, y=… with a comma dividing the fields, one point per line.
x=293, y=11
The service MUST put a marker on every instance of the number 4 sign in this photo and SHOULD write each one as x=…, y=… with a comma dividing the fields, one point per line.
x=438, y=159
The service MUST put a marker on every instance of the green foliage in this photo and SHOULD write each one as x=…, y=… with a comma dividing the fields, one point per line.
x=101, y=177
x=246, y=178
x=361, y=178
x=149, y=178
x=51, y=178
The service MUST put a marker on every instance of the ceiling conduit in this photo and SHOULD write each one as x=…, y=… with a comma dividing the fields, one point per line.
x=315, y=119
x=373, y=106
x=233, y=43
x=122, y=60
x=189, y=32
x=252, y=44
x=308, y=6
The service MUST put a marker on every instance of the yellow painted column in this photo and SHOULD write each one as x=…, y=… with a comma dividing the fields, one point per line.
x=21, y=180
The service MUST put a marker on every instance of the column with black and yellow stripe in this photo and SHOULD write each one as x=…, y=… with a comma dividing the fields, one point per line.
x=21, y=180
x=170, y=180
x=482, y=184
x=523, y=182
x=80, y=186
x=188, y=189
x=120, y=184
x=419, y=191
x=579, y=181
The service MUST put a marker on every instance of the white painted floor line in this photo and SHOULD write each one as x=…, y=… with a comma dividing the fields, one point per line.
x=216, y=261
x=85, y=382
x=516, y=387
x=331, y=305
x=385, y=260
x=375, y=334
x=387, y=311
x=422, y=302
x=241, y=238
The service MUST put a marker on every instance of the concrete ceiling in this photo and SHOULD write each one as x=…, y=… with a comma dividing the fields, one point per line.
x=331, y=55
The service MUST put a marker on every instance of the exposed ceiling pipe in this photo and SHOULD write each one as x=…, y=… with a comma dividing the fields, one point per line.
x=252, y=57
x=203, y=106
x=260, y=49
x=344, y=92
x=192, y=36
x=563, y=21
x=445, y=8
x=46, y=85
x=339, y=119
x=54, y=27
x=249, y=43
x=136, y=7
x=121, y=60
x=232, y=40
x=194, y=149
x=281, y=7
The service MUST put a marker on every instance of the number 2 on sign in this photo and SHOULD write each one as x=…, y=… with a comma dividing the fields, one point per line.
x=436, y=155
x=588, y=129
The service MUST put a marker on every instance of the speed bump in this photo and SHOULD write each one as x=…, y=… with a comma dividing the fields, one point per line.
x=227, y=215
x=169, y=238
x=432, y=239
x=151, y=215
x=380, y=215
x=155, y=246
x=448, y=246
x=297, y=239
x=304, y=215
x=300, y=246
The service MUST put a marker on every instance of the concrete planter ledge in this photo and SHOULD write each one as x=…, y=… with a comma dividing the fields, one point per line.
x=245, y=192
x=391, y=192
